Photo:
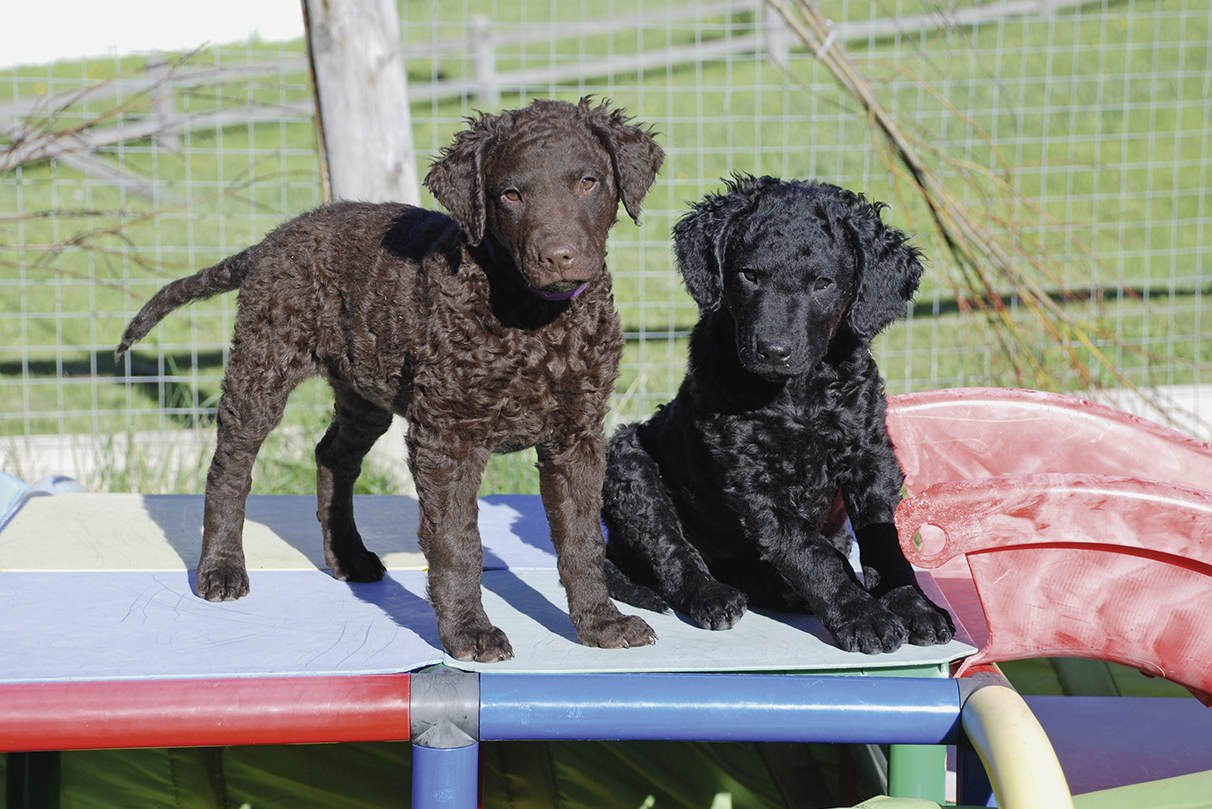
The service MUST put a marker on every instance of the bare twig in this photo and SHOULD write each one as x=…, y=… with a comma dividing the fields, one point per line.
x=990, y=253
x=91, y=240
x=41, y=134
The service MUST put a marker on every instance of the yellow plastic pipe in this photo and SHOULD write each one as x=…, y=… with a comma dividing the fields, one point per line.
x=1019, y=759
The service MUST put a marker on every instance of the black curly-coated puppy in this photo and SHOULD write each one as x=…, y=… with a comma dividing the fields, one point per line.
x=729, y=495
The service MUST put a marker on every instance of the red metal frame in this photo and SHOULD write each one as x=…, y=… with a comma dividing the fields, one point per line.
x=204, y=712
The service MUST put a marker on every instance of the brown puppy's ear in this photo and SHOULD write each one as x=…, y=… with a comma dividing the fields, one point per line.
x=456, y=178
x=889, y=269
x=633, y=151
x=700, y=238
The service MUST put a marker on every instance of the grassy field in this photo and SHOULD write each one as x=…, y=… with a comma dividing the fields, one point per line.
x=1099, y=119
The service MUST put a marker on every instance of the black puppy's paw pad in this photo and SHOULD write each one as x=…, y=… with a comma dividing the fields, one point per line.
x=875, y=631
x=621, y=632
x=222, y=582
x=716, y=606
x=479, y=645
x=645, y=599
x=927, y=624
x=623, y=589
x=363, y=567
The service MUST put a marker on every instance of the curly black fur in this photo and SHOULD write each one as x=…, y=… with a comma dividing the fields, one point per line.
x=729, y=495
x=443, y=320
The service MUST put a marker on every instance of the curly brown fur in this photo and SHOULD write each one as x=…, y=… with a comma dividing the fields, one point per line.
x=728, y=495
x=443, y=320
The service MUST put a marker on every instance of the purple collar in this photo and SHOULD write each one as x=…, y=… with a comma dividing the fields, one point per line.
x=557, y=296
x=538, y=293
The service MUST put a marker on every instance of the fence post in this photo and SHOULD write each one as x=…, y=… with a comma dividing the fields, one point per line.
x=163, y=106
x=362, y=115
x=776, y=39
x=484, y=62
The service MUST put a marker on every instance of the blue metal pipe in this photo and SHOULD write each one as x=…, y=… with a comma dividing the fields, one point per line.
x=446, y=777
x=719, y=707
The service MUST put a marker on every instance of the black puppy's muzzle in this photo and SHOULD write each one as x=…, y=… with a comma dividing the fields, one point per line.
x=777, y=357
x=775, y=353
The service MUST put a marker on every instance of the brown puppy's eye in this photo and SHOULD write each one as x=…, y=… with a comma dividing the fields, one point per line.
x=512, y=195
x=588, y=183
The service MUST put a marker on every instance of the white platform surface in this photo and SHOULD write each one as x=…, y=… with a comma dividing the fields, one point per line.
x=96, y=587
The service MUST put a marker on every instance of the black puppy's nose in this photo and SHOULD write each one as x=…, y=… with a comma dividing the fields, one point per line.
x=558, y=257
x=773, y=351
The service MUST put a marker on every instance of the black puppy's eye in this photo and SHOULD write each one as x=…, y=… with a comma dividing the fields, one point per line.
x=513, y=195
x=822, y=284
x=749, y=275
x=588, y=183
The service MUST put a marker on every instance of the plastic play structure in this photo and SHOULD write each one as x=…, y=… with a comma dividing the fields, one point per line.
x=1085, y=528
x=1084, y=533
x=1087, y=533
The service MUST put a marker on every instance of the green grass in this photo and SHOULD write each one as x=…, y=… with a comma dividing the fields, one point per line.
x=511, y=474
x=1100, y=118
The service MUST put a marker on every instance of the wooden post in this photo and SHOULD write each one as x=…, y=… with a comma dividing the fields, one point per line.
x=163, y=101
x=362, y=116
x=776, y=37
x=484, y=63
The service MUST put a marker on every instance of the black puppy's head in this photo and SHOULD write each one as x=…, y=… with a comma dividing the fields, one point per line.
x=545, y=183
x=792, y=262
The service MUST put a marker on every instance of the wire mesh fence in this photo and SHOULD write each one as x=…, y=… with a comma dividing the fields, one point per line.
x=1077, y=131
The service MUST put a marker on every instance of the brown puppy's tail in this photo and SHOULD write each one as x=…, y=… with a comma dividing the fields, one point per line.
x=225, y=276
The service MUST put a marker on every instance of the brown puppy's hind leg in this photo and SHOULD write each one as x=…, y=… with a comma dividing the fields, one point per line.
x=250, y=407
x=356, y=425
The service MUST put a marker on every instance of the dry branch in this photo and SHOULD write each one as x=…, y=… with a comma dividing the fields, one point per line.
x=989, y=252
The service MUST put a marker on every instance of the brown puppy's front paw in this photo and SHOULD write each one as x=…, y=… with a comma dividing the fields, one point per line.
x=479, y=644
x=926, y=623
x=362, y=566
x=615, y=632
x=222, y=582
x=871, y=629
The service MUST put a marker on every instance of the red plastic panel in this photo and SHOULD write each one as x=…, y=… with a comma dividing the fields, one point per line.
x=1075, y=509
x=982, y=432
x=1079, y=565
x=203, y=712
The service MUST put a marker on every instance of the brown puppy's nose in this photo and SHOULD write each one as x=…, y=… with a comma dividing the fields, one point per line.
x=558, y=257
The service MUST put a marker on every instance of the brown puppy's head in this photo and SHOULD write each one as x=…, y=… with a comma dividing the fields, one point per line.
x=543, y=185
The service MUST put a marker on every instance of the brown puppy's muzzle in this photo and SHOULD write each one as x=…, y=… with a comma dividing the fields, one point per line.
x=561, y=268
x=558, y=266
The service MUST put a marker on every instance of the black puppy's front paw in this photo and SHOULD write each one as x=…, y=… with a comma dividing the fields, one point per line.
x=360, y=565
x=927, y=624
x=715, y=605
x=870, y=628
x=624, y=589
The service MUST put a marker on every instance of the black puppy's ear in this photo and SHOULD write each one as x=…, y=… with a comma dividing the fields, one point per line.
x=700, y=238
x=889, y=269
x=456, y=178
x=633, y=151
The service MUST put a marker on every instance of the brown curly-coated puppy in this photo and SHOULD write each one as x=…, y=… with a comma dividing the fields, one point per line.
x=490, y=330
